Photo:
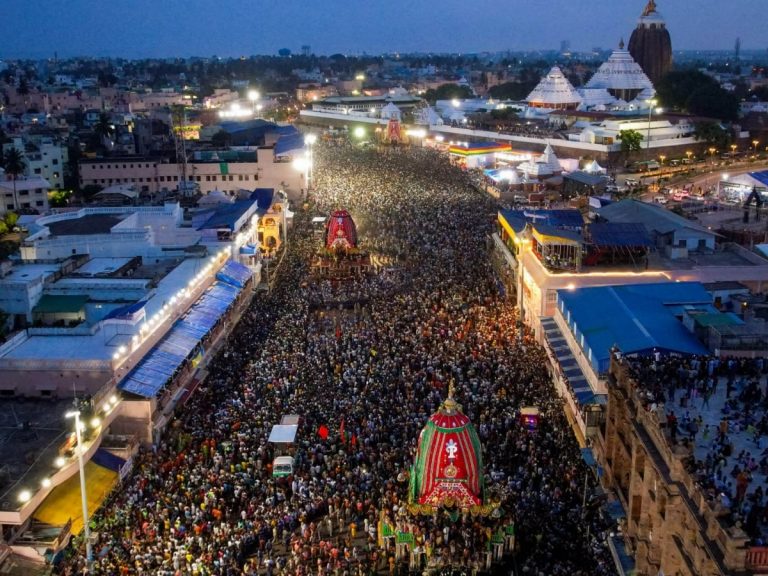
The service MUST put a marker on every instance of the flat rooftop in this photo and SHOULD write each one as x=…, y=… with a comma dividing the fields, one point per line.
x=102, y=266
x=31, y=432
x=29, y=272
x=90, y=224
x=100, y=346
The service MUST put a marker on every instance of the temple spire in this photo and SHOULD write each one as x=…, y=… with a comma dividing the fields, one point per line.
x=650, y=8
x=621, y=44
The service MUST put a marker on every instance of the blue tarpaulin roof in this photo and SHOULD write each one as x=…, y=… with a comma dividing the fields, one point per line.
x=154, y=371
x=614, y=234
x=226, y=215
x=760, y=176
x=125, y=311
x=289, y=143
x=571, y=219
x=264, y=197
x=638, y=318
x=234, y=273
x=107, y=460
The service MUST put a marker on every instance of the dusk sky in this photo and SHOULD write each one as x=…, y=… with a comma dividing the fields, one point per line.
x=147, y=28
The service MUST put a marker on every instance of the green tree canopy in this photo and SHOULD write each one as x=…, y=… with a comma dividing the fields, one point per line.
x=222, y=139
x=448, y=92
x=713, y=135
x=696, y=93
x=631, y=141
x=512, y=90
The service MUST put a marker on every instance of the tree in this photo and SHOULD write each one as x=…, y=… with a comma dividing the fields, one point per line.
x=448, y=92
x=10, y=219
x=713, y=135
x=104, y=129
x=696, y=93
x=512, y=90
x=59, y=198
x=631, y=141
x=14, y=163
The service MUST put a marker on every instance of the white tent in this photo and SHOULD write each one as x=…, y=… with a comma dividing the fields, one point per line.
x=594, y=168
x=283, y=433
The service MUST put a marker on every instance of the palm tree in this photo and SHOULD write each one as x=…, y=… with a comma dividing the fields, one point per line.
x=104, y=130
x=14, y=165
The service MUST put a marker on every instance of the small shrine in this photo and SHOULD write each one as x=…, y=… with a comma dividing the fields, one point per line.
x=448, y=470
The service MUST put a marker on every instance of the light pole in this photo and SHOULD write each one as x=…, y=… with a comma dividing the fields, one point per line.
x=651, y=103
x=83, y=496
x=253, y=96
x=310, y=140
x=754, y=144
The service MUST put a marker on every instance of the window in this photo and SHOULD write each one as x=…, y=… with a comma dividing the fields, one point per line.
x=199, y=178
x=207, y=178
x=240, y=177
x=39, y=203
x=162, y=178
x=38, y=170
x=215, y=178
x=55, y=161
x=231, y=178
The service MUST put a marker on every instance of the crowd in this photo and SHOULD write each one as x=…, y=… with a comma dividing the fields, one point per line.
x=717, y=408
x=203, y=501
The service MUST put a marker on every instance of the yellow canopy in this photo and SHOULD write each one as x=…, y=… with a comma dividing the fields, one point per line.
x=64, y=501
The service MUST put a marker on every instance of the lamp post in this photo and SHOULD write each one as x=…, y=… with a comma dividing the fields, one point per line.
x=83, y=496
x=754, y=144
x=651, y=103
x=310, y=140
x=253, y=96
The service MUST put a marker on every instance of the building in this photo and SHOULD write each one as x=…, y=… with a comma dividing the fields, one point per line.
x=43, y=158
x=622, y=78
x=650, y=44
x=24, y=194
x=554, y=92
x=224, y=170
x=669, y=523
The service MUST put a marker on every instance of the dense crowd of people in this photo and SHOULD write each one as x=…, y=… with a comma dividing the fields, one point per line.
x=717, y=408
x=364, y=363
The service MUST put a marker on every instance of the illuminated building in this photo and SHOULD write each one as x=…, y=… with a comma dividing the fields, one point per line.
x=650, y=44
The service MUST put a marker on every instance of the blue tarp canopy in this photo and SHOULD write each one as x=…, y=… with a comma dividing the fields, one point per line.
x=577, y=381
x=588, y=457
x=289, y=143
x=570, y=219
x=154, y=371
x=760, y=176
x=234, y=273
x=126, y=311
x=107, y=460
x=638, y=318
x=263, y=197
x=624, y=235
x=225, y=215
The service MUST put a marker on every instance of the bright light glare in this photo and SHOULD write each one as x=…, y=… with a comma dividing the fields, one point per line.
x=359, y=132
x=25, y=495
x=59, y=462
x=253, y=95
x=95, y=422
x=45, y=482
x=310, y=139
x=301, y=164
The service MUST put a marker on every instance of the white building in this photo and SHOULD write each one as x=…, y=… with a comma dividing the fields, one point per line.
x=24, y=194
x=619, y=83
x=43, y=158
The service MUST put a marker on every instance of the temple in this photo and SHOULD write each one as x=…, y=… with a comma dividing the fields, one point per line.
x=339, y=256
x=448, y=470
x=650, y=44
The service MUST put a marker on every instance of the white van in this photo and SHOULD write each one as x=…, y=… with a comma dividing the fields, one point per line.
x=282, y=466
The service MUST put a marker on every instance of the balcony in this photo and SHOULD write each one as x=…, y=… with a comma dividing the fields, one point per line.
x=757, y=559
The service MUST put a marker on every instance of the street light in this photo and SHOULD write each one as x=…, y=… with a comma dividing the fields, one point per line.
x=83, y=496
x=253, y=96
x=755, y=143
x=309, y=141
x=651, y=103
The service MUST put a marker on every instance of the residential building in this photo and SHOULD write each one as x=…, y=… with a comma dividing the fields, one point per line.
x=24, y=194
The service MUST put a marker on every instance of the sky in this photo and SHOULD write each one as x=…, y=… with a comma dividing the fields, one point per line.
x=165, y=28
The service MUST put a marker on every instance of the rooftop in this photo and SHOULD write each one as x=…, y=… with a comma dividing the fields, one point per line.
x=86, y=225
x=34, y=430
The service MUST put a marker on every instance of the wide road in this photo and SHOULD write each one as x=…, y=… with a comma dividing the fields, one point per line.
x=364, y=376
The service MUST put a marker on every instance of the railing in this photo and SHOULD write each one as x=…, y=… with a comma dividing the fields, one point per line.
x=757, y=558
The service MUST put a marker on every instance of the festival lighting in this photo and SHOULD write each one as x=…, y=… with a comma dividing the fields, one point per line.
x=418, y=133
x=95, y=422
x=45, y=482
x=24, y=496
x=359, y=132
x=59, y=462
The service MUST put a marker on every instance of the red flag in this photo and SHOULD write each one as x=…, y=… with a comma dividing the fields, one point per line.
x=341, y=431
x=338, y=331
x=353, y=441
x=323, y=432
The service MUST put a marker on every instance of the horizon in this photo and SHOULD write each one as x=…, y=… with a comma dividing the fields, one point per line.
x=87, y=28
